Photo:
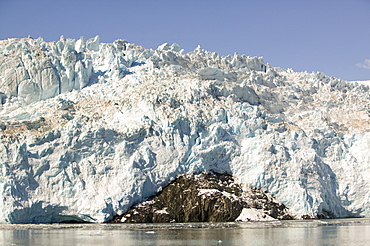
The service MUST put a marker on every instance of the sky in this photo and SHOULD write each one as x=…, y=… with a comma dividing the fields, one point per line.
x=330, y=36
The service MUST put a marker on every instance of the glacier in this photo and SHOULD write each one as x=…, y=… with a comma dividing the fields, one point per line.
x=88, y=129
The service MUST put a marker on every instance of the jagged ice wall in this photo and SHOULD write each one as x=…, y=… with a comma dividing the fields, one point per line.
x=88, y=129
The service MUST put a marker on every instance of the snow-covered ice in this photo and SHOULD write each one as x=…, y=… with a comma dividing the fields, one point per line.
x=88, y=129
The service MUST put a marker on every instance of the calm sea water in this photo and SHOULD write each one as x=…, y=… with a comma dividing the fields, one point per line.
x=312, y=232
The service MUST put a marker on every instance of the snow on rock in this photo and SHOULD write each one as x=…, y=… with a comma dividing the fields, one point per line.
x=252, y=214
x=87, y=129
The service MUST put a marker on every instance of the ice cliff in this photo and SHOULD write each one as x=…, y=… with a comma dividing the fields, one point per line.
x=87, y=129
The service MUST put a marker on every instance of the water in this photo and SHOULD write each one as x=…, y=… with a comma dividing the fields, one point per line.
x=312, y=232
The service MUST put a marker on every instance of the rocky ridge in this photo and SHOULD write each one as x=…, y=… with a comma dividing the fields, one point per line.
x=89, y=129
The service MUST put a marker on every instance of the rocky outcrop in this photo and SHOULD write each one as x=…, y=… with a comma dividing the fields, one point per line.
x=208, y=197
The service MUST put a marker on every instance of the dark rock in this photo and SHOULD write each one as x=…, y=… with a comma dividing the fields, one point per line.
x=202, y=198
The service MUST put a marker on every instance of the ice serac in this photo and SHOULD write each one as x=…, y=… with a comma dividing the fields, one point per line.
x=88, y=129
x=34, y=70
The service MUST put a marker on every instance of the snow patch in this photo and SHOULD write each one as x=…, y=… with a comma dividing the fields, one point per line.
x=252, y=214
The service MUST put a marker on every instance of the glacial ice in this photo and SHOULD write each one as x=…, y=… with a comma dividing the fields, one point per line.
x=88, y=129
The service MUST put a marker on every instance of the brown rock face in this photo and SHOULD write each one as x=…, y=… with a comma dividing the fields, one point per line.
x=202, y=198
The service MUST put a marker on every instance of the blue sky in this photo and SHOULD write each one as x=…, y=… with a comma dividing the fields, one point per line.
x=331, y=36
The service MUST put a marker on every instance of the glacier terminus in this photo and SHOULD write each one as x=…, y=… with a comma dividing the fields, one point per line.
x=89, y=129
